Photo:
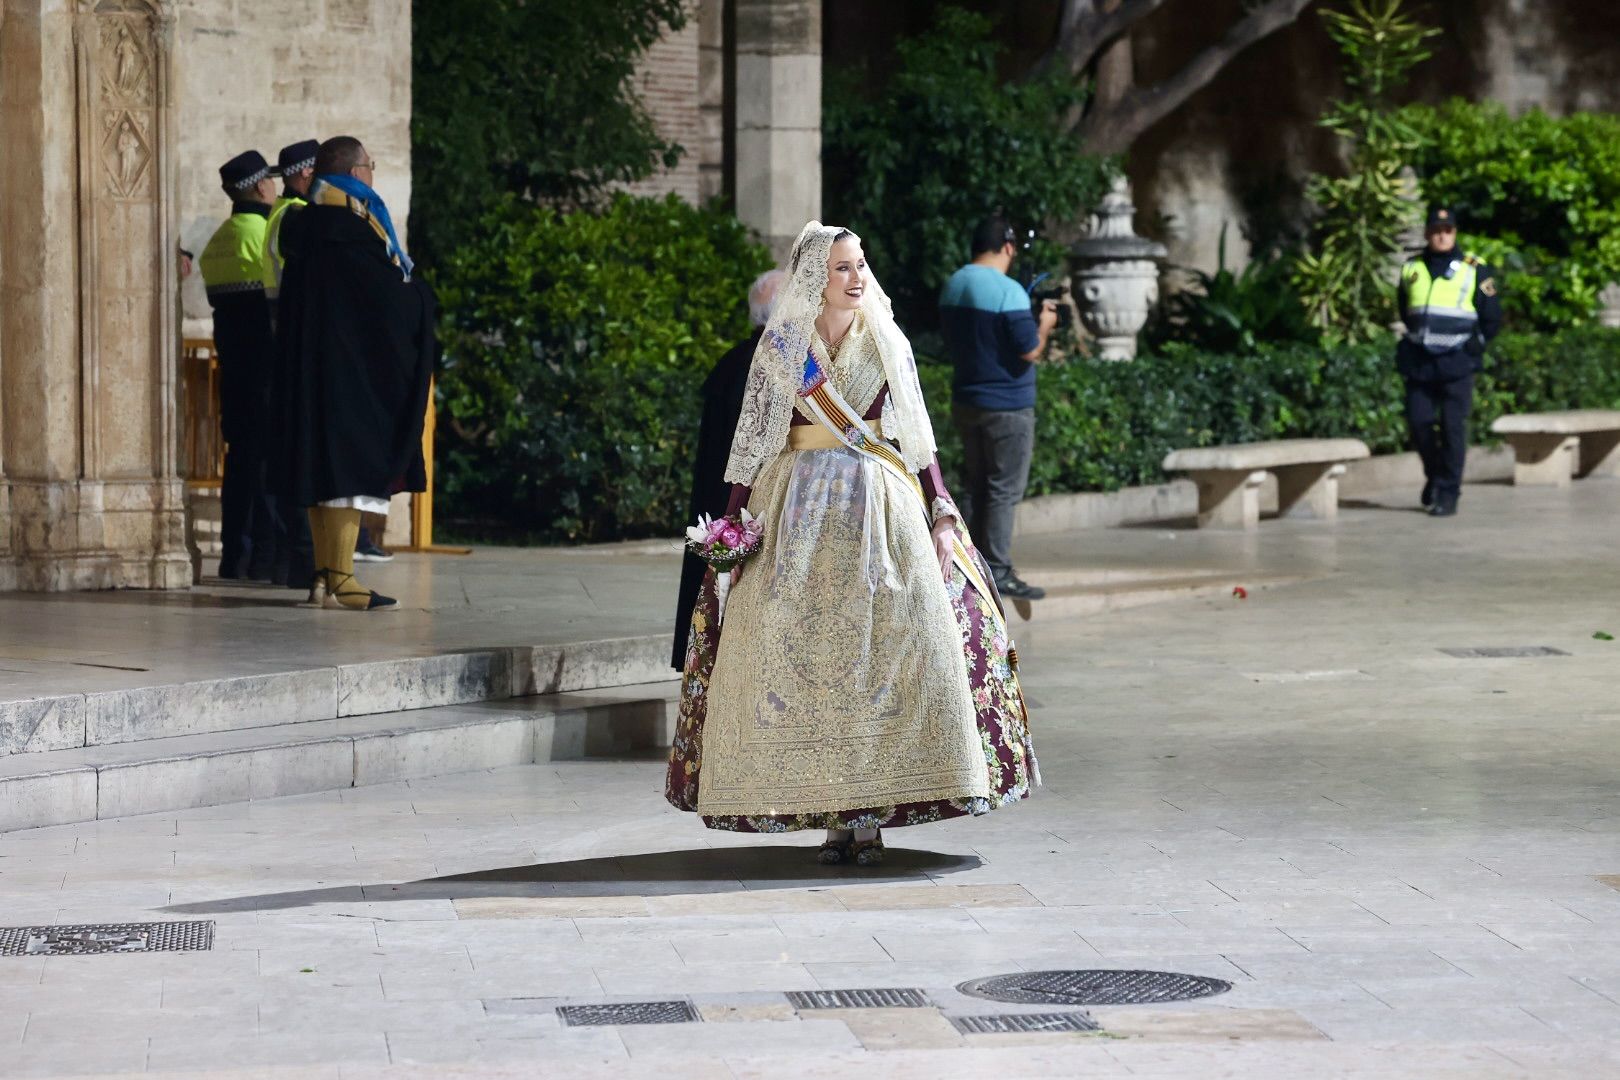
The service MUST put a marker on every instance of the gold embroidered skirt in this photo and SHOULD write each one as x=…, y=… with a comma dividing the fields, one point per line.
x=838, y=680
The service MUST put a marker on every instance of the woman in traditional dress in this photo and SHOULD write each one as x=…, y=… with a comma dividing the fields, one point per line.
x=863, y=676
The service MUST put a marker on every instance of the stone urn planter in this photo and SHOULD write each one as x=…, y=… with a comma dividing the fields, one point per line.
x=1609, y=305
x=1115, y=275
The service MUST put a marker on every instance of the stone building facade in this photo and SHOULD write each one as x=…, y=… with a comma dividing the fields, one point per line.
x=739, y=87
x=114, y=116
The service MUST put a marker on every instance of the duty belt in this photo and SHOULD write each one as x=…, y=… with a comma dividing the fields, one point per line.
x=236, y=287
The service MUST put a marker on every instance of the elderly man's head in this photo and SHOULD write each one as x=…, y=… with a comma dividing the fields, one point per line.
x=344, y=155
x=762, y=294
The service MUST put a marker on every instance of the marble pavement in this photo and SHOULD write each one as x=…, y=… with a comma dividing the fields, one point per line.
x=1406, y=861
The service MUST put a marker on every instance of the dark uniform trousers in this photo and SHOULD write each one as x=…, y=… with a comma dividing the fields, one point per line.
x=1437, y=413
x=1439, y=397
x=251, y=530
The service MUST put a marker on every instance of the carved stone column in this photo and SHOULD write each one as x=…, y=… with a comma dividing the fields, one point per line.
x=87, y=302
x=778, y=106
x=8, y=572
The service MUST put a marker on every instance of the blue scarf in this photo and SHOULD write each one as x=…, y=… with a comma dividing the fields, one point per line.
x=375, y=209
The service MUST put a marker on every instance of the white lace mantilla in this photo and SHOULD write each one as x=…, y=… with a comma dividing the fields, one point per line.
x=777, y=373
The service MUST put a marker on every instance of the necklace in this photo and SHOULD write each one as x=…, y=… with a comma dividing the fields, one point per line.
x=833, y=347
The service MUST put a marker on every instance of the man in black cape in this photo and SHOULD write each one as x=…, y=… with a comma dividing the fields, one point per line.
x=357, y=352
x=722, y=404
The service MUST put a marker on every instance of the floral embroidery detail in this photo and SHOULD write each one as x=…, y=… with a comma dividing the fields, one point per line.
x=1003, y=734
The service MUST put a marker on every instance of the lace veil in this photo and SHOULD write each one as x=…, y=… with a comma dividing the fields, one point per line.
x=777, y=373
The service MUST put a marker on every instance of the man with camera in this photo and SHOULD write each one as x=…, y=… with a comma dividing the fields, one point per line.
x=994, y=337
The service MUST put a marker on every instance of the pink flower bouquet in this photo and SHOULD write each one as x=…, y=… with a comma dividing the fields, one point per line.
x=723, y=542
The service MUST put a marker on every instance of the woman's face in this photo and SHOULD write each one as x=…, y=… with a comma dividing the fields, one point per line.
x=846, y=275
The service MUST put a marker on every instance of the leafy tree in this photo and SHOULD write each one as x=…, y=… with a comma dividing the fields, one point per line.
x=530, y=98
x=943, y=144
x=1094, y=41
x=1539, y=199
x=1347, y=283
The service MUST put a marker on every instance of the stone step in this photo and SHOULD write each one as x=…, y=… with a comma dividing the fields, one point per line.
x=239, y=702
x=1067, y=600
x=156, y=775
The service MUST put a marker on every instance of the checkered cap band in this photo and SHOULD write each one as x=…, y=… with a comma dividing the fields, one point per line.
x=251, y=178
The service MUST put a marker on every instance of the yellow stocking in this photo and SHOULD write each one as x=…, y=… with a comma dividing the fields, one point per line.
x=343, y=531
x=335, y=530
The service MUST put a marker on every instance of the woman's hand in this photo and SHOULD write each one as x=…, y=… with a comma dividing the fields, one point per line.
x=945, y=544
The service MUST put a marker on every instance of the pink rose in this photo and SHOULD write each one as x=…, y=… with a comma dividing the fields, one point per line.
x=731, y=535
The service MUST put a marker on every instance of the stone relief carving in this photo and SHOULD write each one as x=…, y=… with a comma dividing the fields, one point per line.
x=349, y=14
x=127, y=73
x=125, y=153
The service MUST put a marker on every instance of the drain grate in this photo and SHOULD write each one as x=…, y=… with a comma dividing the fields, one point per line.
x=1012, y=1022
x=629, y=1012
x=106, y=938
x=1497, y=652
x=858, y=999
x=1099, y=987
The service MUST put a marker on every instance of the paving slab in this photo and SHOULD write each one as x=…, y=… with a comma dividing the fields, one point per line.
x=1406, y=873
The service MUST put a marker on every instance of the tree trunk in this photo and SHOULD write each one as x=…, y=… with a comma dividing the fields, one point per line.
x=1097, y=36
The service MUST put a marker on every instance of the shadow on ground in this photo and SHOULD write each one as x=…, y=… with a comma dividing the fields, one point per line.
x=664, y=873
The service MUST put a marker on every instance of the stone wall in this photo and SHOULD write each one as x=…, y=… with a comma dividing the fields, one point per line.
x=1237, y=153
x=666, y=78
x=739, y=87
x=1235, y=156
x=114, y=118
x=88, y=492
x=259, y=74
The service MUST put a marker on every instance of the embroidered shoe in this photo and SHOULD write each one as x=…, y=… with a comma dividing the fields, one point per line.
x=834, y=852
x=868, y=852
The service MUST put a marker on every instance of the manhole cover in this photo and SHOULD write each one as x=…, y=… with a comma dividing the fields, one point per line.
x=629, y=1012
x=1011, y=1022
x=858, y=999
x=107, y=938
x=1496, y=652
x=1103, y=987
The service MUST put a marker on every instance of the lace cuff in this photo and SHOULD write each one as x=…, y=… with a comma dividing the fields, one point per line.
x=944, y=507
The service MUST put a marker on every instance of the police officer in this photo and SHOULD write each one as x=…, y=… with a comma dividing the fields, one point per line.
x=1449, y=305
x=295, y=165
x=233, y=271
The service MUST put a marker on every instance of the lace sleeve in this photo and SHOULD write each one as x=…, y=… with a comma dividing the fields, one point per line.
x=940, y=503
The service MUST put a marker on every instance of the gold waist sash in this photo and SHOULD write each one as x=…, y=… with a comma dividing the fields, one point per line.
x=817, y=437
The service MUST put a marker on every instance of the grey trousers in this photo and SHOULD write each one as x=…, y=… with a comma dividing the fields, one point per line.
x=996, y=448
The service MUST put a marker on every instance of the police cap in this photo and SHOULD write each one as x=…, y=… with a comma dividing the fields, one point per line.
x=1440, y=217
x=242, y=172
x=296, y=158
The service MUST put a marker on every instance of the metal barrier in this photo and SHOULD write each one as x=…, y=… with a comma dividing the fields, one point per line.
x=202, y=445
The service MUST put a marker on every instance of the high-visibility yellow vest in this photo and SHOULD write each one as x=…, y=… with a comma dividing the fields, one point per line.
x=1440, y=313
x=233, y=261
x=275, y=263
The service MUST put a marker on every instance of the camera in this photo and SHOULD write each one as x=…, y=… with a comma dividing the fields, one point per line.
x=1058, y=293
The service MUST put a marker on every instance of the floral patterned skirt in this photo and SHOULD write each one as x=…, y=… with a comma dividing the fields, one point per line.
x=1009, y=756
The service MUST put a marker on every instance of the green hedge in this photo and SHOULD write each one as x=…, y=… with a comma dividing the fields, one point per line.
x=1105, y=426
x=575, y=346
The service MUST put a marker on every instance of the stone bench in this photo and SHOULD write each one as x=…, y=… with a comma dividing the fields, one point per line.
x=1551, y=447
x=1229, y=478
